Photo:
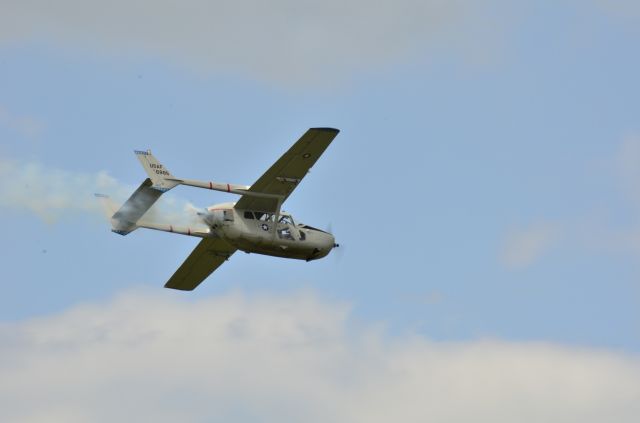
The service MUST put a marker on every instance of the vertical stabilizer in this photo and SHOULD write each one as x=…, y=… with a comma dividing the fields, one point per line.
x=124, y=220
x=161, y=178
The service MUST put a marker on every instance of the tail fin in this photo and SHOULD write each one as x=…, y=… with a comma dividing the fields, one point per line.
x=162, y=179
x=124, y=220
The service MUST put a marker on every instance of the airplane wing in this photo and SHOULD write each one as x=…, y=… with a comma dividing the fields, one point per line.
x=285, y=174
x=205, y=258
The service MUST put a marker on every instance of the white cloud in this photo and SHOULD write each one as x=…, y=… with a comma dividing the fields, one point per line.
x=52, y=193
x=274, y=358
x=288, y=41
x=524, y=246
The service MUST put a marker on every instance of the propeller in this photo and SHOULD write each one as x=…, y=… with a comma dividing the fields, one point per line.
x=338, y=250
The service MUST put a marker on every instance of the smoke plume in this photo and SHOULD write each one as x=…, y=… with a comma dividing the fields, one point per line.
x=53, y=194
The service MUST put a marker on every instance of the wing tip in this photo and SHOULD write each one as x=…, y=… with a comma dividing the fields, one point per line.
x=332, y=130
x=178, y=288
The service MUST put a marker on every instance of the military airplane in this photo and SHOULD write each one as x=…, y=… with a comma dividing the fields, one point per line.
x=255, y=223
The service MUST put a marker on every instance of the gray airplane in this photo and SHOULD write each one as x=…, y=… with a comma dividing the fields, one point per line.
x=254, y=224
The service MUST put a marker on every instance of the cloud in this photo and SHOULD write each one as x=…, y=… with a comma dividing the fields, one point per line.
x=524, y=246
x=144, y=357
x=52, y=194
x=619, y=235
x=24, y=125
x=287, y=41
x=591, y=231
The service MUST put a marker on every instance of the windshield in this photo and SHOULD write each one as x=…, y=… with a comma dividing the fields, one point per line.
x=286, y=219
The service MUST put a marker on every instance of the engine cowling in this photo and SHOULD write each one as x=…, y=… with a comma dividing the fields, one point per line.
x=217, y=217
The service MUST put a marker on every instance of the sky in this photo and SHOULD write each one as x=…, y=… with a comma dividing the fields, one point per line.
x=484, y=189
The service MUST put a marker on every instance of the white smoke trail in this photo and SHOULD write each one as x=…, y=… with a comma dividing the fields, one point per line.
x=52, y=194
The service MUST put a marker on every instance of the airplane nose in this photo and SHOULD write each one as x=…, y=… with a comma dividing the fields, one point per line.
x=325, y=244
x=328, y=243
x=332, y=243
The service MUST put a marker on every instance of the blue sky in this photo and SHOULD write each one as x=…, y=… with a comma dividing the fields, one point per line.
x=484, y=185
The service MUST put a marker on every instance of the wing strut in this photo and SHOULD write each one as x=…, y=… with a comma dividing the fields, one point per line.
x=278, y=206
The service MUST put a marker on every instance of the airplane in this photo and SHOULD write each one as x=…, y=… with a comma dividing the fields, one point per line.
x=255, y=223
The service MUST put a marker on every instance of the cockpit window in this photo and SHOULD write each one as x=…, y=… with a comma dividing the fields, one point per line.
x=269, y=217
x=285, y=234
x=312, y=228
x=287, y=220
x=265, y=217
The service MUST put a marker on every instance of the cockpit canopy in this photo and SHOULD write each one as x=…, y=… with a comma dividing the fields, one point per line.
x=284, y=218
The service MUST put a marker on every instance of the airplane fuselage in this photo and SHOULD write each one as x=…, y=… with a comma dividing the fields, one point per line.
x=257, y=232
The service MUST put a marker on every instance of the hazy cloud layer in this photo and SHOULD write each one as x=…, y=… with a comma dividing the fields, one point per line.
x=289, y=41
x=591, y=231
x=603, y=233
x=289, y=358
x=525, y=245
x=52, y=193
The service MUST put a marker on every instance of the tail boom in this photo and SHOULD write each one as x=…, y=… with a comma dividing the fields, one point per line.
x=200, y=232
x=163, y=180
